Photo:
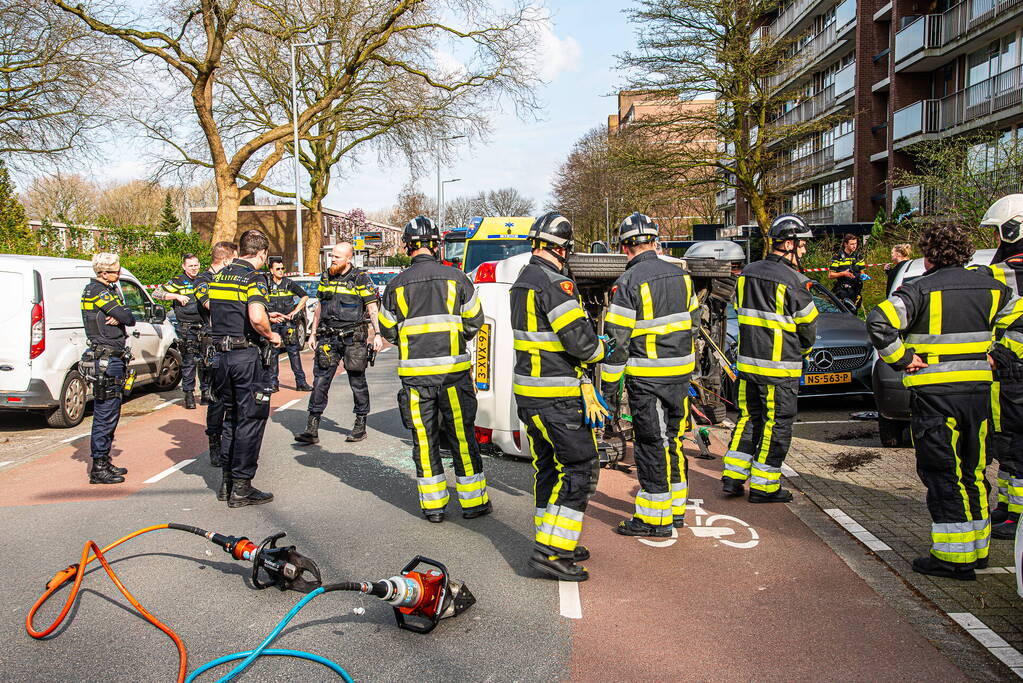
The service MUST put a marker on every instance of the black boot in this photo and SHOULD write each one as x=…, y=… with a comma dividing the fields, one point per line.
x=116, y=470
x=358, y=432
x=932, y=566
x=634, y=527
x=478, y=511
x=312, y=431
x=1006, y=531
x=224, y=492
x=559, y=567
x=732, y=487
x=189, y=400
x=434, y=516
x=581, y=554
x=1000, y=514
x=243, y=493
x=302, y=386
x=102, y=474
x=678, y=521
x=779, y=496
x=216, y=455
x=204, y=398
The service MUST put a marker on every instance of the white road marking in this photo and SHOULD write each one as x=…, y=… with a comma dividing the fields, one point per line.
x=73, y=438
x=832, y=422
x=5, y=462
x=996, y=570
x=862, y=535
x=994, y=643
x=571, y=607
x=788, y=471
x=169, y=471
x=167, y=403
x=661, y=544
x=288, y=404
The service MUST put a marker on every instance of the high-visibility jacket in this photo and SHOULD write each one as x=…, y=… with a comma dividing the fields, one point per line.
x=230, y=293
x=947, y=317
x=344, y=297
x=553, y=336
x=1010, y=274
x=100, y=301
x=430, y=311
x=650, y=319
x=777, y=320
x=185, y=286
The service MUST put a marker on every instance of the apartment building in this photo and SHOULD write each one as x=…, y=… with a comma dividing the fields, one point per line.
x=890, y=75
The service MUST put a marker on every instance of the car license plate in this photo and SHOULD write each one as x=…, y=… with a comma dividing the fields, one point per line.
x=483, y=358
x=827, y=378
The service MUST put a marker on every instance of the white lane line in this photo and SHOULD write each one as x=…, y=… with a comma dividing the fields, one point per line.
x=169, y=471
x=5, y=462
x=288, y=404
x=996, y=570
x=167, y=403
x=73, y=438
x=571, y=607
x=862, y=535
x=788, y=471
x=994, y=643
x=832, y=422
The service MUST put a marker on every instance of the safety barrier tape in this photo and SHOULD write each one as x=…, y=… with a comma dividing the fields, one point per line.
x=822, y=270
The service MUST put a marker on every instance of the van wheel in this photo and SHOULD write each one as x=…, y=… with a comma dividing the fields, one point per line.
x=300, y=336
x=170, y=371
x=71, y=410
x=893, y=433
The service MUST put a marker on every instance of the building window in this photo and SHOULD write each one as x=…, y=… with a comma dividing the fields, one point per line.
x=837, y=191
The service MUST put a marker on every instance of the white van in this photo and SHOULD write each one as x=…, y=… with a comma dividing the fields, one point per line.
x=43, y=337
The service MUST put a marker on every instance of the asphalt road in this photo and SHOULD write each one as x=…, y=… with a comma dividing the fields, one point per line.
x=709, y=606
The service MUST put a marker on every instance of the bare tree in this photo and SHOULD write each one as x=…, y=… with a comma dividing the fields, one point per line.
x=132, y=203
x=411, y=202
x=61, y=198
x=460, y=210
x=506, y=201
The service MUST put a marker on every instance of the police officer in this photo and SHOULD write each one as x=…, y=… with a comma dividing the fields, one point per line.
x=105, y=317
x=555, y=342
x=240, y=328
x=777, y=328
x=346, y=295
x=222, y=254
x=650, y=321
x=847, y=269
x=938, y=329
x=283, y=309
x=430, y=311
x=1006, y=216
x=188, y=324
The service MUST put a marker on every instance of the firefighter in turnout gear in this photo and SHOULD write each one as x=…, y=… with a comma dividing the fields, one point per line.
x=939, y=329
x=346, y=295
x=430, y=312
x=555, y=343
x=222, y=254
x=283, y=309
x=105, y=317
x=1006, y=216
x=650, y=320
x=777, y=328
x=240, y=330
x=180, y=290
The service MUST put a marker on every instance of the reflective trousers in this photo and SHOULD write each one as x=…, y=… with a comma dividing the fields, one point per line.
x=106, y=414
x=322, y=378
x=189, y=358
x=660, y=419
x=294, y=355
x=238, y=376
x=763, y=433
x=449, y=410
x=1007, y=443
x=951, y=435
x=566, y=467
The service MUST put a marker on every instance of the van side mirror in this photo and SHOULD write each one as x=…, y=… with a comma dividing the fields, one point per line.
x=156, y=313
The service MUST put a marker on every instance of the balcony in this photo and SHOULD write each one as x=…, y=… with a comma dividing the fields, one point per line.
x=845, y=16
x=956, y=25
x=819, y=215
x=799, y=170
x=845, y=80
x=808, y=109
x=805, y=55
x=920, y=199
x=724, y=197
x=843, y=147
x=788, y=16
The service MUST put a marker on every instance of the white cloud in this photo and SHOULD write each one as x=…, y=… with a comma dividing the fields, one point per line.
x=553, y=54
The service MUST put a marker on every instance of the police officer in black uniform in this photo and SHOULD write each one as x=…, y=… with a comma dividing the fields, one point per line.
x=283, y=309
x=346, y=295
x=180, y=290
x=241, y=330
x=105, y=318
x=846, y=270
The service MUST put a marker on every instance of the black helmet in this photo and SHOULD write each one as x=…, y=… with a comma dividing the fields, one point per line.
x=420, y=232
x=637, y=229
x=789, y=226
x=551, y=230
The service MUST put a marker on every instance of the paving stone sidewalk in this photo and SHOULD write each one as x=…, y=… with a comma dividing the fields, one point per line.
x=878, y=488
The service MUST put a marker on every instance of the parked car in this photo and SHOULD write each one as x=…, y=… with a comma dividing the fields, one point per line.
x=891, y=395
x=381, y=276
x=310, y=283
x=44, y=337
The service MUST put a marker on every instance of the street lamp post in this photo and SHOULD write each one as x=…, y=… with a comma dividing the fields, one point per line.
x=440, y=189
x=440, y=210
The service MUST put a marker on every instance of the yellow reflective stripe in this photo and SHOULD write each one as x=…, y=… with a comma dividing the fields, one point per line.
x=523, y=345
x=453, y=333
x=950, y=376
x=767, y=372
x=896, y=354
x=693, y=303
x=384, y=316
x=664, y=371
x=740, y=426
x=620, y=320
x=531, y=326
x=225, y=295
x=463, y=448
x=890, y=314
x=809, y=317
x=399, y=294
x=420, y=432
x=934, y=311
x=779, y=299
x=557, y=464
x=765, y=442
x=769, y=324
x=995, y=296
x=567, y=318
x=421, y=370
x=1013, y=345
x=978, y=473
x=740, y=291
x=546, y=392
x=953, y=348
x=427, y=328
x=998, y=273
x=648, y=314
x=471, y=313
x=677, y=326
x=609, y=376
x=996, y=406
x=952, y=427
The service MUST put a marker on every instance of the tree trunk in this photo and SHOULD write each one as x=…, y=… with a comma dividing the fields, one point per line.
x=312, y=236
x=759, y=209
x=225, y=229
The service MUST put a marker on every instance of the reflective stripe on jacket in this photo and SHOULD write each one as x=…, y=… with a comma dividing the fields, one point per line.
x=1010, y=274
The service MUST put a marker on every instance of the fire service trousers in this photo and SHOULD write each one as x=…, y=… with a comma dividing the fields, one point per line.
x=660, y=419
x=763, y=433
x=1007, y=443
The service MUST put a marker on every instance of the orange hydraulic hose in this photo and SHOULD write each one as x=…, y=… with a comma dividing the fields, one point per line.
x=77, y=572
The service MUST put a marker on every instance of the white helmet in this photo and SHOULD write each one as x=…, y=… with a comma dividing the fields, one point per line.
x=1006, y=216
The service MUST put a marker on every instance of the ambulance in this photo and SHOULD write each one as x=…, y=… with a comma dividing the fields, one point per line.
x=495, y=238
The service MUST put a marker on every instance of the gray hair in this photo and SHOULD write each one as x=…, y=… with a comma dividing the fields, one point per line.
x=103, y=261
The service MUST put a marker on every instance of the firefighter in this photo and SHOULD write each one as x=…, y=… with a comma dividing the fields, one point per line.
x=105, y=363
x=346, y=296
x=188, y=324
x=847, y=270
x=555, y=343
x=650, y=321
x=283, y=310
x=222, y=254
x=777, y=327
x=938, y=329
x=430, y=311
x=240, y=331
x=1006, y=216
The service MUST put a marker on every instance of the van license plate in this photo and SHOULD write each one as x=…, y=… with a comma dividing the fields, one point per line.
x=827, y=378
x=483, y=358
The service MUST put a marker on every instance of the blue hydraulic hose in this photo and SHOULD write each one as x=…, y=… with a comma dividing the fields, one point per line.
x=250, y=656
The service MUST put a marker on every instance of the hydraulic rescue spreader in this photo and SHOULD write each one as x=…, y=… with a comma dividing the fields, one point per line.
x=420, y=597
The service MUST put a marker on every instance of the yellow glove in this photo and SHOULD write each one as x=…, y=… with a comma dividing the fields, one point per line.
x=594, y=408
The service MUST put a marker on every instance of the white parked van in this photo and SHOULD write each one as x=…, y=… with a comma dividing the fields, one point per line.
x=43, y=337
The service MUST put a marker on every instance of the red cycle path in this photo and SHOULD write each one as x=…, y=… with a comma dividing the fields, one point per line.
x=788, y=609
